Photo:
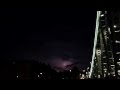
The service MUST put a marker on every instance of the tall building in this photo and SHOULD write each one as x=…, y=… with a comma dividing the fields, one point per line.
x=106, y=51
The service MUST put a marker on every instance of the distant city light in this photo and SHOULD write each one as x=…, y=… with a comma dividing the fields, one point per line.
x=17, y=76
x=41, y=73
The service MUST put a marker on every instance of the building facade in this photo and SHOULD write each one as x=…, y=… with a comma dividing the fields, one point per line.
x=106, y=52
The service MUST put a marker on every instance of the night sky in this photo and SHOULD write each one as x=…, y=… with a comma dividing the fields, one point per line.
x=58, y=36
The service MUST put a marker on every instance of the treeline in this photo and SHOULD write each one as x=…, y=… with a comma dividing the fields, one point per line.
x=30, y=69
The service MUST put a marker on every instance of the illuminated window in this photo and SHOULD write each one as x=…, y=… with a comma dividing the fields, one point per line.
x=98, y=52
x=109, y=30
x=104, y=57
x=104, y=63
x=117, y=41
x=117, y=31
x=108, y=73
x=117, y=52
x=38, y=76
x=118, y=62
x=105, y=71
x=83, y=76
x=102, y=15
x=118, y=72
x=41, y=73
x=112, y=65
x=104, y=75
x=98, y=76
x=114, y=26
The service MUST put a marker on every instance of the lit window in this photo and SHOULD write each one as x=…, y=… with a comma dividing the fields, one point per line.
x=98, y=76
x=119, y=58
x=117, y=41
x=119, y=71
x=104, y=75
x=108, y=73
x=88, y=68
x=103, y=51
x=112, y=65
x=117, y=52
x=118, y=62
x=111, y=58
x=117, y=31
x=102, y=15
x=83, y=76
x=109, y=30
x=104, y=57
x=104, y=63
x=114, y=26
x=38, y=76
x=98, y=52
x=41, y=73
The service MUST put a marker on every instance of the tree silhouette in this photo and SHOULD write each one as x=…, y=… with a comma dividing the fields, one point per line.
x=75, y=73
